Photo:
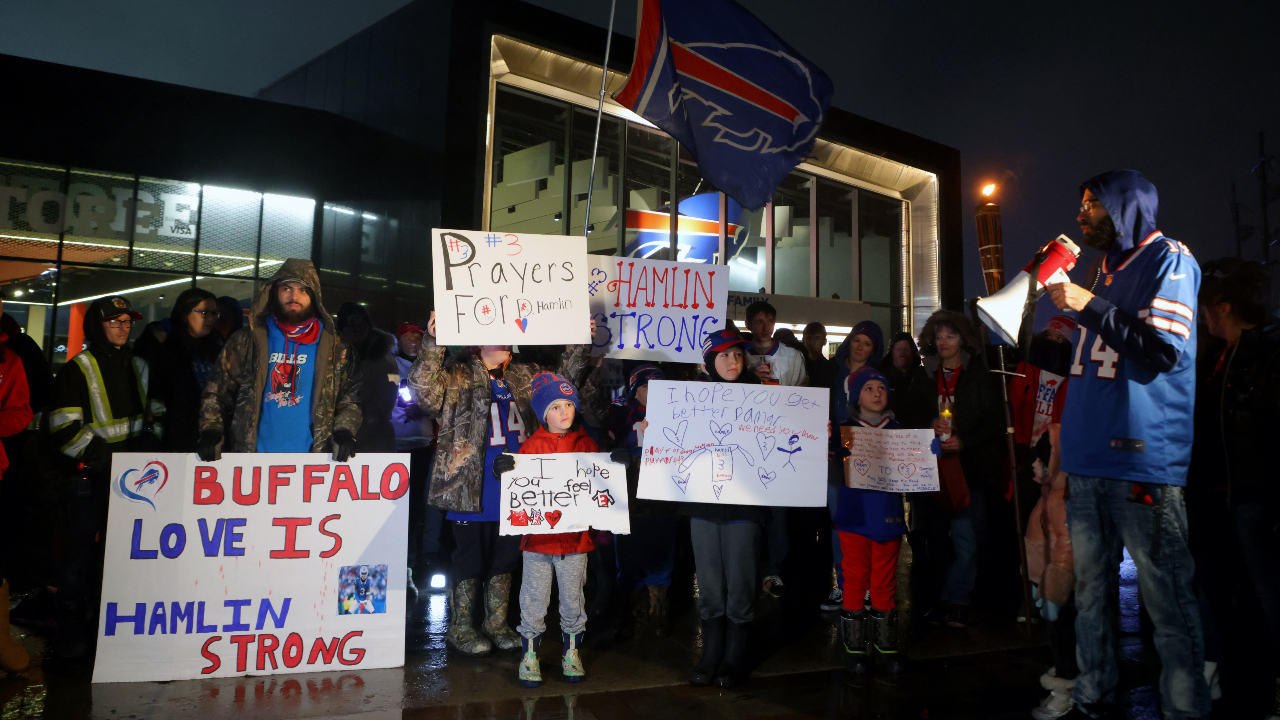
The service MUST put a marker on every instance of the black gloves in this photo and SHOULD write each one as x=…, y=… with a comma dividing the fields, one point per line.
x=620, y=455
x=506, y=462
x=207, y=447
x=344, y=445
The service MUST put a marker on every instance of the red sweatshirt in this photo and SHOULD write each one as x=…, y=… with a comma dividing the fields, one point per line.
x=15, y=398
x=543, y=442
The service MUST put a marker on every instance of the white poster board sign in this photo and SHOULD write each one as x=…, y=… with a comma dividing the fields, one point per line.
x=890, y=460
x=564, y=492
x=494, y=288
x=655, y=309
x=735, y=444
x=257, y=564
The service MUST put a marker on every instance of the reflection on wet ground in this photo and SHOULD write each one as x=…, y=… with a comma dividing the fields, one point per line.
x=989, y=670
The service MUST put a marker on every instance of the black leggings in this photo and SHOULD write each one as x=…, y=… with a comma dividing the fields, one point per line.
x=481, y=553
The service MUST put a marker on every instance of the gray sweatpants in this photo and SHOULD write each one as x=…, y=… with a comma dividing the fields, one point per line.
x=535, y=592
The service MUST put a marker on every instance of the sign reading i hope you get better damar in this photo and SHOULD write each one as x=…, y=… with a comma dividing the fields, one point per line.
x=494, y=288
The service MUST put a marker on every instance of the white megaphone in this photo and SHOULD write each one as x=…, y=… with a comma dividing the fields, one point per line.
x=1002, y=312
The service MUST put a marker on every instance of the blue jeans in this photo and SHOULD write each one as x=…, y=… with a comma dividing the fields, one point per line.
x=968, y=527
x=837, y=555
x=1103, y=523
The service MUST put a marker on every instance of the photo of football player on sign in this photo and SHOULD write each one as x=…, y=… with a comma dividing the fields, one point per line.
x=362, y=589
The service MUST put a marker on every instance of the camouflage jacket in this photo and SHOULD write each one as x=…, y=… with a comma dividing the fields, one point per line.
x=238, y=380
x=456, y=393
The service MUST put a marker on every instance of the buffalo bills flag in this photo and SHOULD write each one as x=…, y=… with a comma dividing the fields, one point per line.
x=743, y=102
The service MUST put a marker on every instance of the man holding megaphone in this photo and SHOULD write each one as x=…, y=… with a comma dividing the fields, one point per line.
x=1127, y=430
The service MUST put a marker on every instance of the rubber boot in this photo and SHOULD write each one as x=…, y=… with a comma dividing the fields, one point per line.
x=571, y=661
x=712, y=652
x=530, y=668
x=733, y=668
x=411, y=589
x=497, y=592
x=636, y=607
x=885, y=630
x=462, y=635
x=13, y=657
x=856, y=638
x=659, y=620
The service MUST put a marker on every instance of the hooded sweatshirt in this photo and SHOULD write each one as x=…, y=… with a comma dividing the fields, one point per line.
x=840, y=392
x=1131, y=394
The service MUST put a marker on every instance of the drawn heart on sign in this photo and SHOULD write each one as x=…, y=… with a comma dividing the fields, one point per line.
x=766, y=443
x=862, y=466
x=717, y=489
x=676, y=436
x=767, y=477
x=522, y=323
x=681, y=482
x=907, y=469
x=721, y=431
x=553, y=517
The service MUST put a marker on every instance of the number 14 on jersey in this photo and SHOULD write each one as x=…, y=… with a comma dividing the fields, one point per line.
x=1100, y=353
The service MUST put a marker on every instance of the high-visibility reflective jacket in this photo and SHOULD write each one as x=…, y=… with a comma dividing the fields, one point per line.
x=101, y=406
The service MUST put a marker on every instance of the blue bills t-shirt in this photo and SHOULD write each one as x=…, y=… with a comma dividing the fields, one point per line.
x=285, y=423
x=506, y=434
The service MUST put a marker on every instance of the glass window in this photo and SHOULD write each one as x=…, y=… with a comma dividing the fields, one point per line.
x=229, y=220
x=603, y=238
x=167, y=218
x=150, y=293
x=880, y=241
x=791, y=235
x=287, y=224
x=27, y=289
x=95, y=218
x=699, y=208
x=648, y=187
x=836, y=264
x=32, y=204
x=745, y=239
x=528, y=193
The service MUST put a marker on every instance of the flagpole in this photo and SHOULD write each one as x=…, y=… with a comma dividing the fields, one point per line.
x=595, y=144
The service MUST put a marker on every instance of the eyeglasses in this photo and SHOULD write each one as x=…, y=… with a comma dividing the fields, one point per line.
x=209, y=314
x=119, y=323
x=1089, y=205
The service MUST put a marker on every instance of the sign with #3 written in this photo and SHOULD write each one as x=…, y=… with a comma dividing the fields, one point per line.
x=507, y=289
x=564, y=492
x=255, y=564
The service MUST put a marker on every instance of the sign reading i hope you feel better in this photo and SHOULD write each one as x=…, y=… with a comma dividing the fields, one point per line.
x=255, y=564
x=495, y=288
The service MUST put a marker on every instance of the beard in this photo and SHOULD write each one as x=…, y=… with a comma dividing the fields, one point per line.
x=1102, y=236
x=294, y=316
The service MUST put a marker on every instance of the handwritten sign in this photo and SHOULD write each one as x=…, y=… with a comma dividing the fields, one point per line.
x=890, y=460
x=256, y=564
x=564, y=492
x=496, y=288
x=735, y=444
x=654, y=309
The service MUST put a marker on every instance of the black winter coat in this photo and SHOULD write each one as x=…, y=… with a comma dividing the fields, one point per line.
x=174, y=381
x=978, y=419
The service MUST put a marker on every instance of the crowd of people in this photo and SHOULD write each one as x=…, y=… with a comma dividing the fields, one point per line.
x=1138, y=424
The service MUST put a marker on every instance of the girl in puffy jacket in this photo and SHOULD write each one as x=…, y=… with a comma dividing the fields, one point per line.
x=559, y=555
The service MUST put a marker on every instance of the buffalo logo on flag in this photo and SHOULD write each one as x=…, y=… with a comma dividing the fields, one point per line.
x=745, y=104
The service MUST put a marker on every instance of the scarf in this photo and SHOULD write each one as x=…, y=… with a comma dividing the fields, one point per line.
x=304, y=333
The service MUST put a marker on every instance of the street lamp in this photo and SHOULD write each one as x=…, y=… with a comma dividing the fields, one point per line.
x=990, y=240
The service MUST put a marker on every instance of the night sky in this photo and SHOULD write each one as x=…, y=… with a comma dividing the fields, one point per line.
x=1036, y=96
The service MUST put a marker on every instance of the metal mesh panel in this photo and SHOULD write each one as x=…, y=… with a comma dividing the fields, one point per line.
x=167, y=220
x=32, y=199
x=286, y=231
x=97, y=212
x=229, y=231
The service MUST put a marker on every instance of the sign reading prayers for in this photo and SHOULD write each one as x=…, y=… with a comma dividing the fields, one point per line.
x=255, y=564
x=890, y=460
x=654, y=309
x=564, y=492
x=735, y=443
x=495, y=288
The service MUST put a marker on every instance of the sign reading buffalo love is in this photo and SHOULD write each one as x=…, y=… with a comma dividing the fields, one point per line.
x=256, y=564
x=564, y=492
x=654, y=309
x=494, y=288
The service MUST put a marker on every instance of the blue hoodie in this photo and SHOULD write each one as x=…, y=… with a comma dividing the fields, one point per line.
x=839, y=397
x=1128, y=413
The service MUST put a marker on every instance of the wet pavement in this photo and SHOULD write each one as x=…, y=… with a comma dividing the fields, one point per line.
x=989, y=670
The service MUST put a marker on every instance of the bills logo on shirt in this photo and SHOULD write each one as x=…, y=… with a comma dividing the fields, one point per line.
x=283, y=377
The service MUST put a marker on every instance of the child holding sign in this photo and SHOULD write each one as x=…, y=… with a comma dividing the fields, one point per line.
x=870, y=524
x=561, y=555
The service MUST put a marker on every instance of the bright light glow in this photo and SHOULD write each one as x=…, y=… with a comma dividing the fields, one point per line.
x=369, y=216
x=989, y=189
x=142, y=288
x=437, y=581
x=17, y=293
x=338, y=209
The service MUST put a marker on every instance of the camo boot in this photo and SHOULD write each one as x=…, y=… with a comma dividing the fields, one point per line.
x=496, y=595
x=462, y=636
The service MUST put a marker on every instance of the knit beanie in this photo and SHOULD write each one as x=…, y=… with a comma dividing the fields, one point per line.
x=641, y=377
x=549, y=387
x=858, y=379
x=873, y=331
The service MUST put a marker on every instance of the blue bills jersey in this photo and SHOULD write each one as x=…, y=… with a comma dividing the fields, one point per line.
x=506, y=434
x=362, y=588
x=1128, y=413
